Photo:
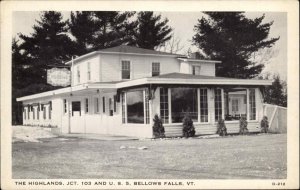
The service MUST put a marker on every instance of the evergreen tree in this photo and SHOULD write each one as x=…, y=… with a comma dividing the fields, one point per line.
x=275, y=94
x=83, y=28
x=232, y=38
x=95, y=30
x=48, y=44
x=113, y=28
x=151, y=32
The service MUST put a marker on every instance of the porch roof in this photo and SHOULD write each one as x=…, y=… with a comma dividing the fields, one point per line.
x=171, y=78
x=181, y=78
x=102, y=85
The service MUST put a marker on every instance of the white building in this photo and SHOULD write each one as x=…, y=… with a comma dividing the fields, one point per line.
x=119, y=90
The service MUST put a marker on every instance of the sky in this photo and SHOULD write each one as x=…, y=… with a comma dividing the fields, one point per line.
x=183, y=25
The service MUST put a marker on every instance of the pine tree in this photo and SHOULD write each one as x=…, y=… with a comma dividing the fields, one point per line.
x=83, y=28
x=48, y=44
x=113, y=28
x=232, y=38
x=151, y=32
x=274, y=94
x=96, y=30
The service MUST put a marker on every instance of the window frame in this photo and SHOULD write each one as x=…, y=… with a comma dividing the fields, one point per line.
x=221, y=104
x=78, y=74
x=164, y=99
x=194, y=69
x=89, y=77
x=153, y=67
x=130, y=69
x=252, y=105
x=65, y=106
x=96, y=105
x=103, y=104
x=200, y=107
x=197, y=104
x=86, y=106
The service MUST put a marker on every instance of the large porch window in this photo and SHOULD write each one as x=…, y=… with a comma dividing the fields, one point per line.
x=164, y=105
x=184, y=101
x=252, y=104
x=235, y=104
x=203, y=105
x=135, y=106
x=218, y=104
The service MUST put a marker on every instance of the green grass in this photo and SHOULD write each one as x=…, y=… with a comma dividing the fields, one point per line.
x=234, y=157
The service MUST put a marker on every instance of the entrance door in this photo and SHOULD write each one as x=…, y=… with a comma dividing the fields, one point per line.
x=77, y=120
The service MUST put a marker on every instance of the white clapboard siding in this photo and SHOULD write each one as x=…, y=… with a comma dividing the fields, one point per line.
x=206, y=129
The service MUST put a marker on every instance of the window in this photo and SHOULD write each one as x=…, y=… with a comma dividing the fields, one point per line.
x=65, y=106
x=24, y=112
x=135, y=106
x=196, y=70
x=235, y=105
x=103, y=104
x=203, y=106
x=155, y=69
x=218, y=104
x=86, y=105
x=78, y=74
x=76, y=107
x=44, y=112
x=115, y=103
x=123, y=100
x=28, y=112
x=125, y=69
x=184, y=101
x=96, y=105
x=164, y=105
x=147, y=106
x=50, y=109
x=88, y=71
x=110, y=107
x=38, y=112
x=33, y=113
x=252, y=104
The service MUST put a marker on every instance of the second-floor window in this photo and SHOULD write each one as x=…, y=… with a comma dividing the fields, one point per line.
x=155, y=69
x=78, y=74
x=125, y=69
x=88, y=71
x=196, y=70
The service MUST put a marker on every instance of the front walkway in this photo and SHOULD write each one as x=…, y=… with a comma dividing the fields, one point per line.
x=103, y=137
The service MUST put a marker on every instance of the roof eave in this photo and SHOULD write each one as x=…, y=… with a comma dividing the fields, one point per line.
x=199, y=60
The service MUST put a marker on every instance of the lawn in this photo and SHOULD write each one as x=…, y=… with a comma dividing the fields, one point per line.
x=233, y=157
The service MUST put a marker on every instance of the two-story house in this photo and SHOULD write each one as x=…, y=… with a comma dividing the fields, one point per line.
x=118, y=91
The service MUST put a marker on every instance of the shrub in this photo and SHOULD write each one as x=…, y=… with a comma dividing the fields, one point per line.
x=188, y=127
x=222, y=130
x=158, y=128
x=264, y=125
x=243, y=126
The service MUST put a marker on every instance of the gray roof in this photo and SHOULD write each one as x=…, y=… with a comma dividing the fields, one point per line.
x=190, y=76
x=132, y=49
